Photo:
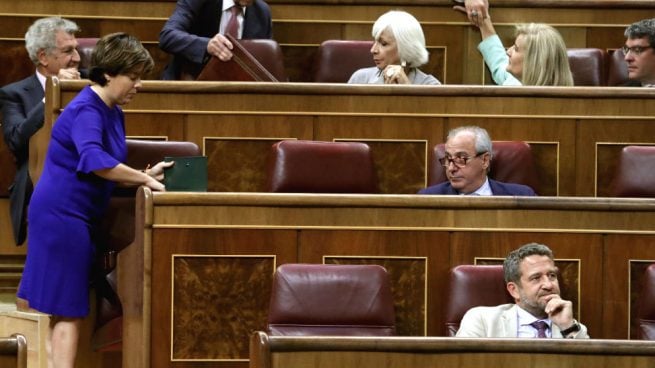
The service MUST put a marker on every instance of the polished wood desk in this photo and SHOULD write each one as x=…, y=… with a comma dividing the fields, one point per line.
x=576, y=133
x=196, y=281
x=374, y=352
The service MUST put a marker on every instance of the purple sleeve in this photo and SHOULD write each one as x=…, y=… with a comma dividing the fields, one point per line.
x=87, y=133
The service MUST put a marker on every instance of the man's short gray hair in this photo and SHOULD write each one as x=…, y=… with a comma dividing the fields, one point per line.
x=42, y=35
x=482, y=139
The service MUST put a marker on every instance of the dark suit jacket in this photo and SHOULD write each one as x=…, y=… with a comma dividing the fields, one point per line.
x=497, y=188
x=194, y=22
x=22, y=112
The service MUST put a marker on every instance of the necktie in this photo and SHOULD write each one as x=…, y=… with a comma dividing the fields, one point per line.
x=232, y=27
x=541, y=328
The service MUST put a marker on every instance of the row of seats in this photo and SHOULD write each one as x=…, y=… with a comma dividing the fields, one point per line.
x=320, y=167
x=356, y=300
x=337, y=60
x=347, y=167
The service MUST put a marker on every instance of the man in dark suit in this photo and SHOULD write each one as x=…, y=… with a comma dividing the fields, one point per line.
x=467, y=159
x=640, y=53
x=196, y=31
x=51, y=45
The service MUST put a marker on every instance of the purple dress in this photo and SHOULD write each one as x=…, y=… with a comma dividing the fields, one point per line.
x=68, y=202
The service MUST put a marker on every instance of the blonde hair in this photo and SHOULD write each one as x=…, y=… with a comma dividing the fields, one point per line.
x=545, y=62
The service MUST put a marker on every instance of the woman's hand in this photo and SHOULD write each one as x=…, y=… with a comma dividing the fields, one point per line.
x=395, y=74
x=157, y=171
x=475, y=10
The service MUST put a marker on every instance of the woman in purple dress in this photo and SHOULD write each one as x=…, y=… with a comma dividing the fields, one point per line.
x=83, y=163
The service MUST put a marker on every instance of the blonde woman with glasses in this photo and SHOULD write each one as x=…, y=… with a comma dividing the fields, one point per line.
x=537, y=57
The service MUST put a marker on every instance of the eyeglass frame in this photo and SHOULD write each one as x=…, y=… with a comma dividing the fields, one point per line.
x=635, y=50
x=446, y=161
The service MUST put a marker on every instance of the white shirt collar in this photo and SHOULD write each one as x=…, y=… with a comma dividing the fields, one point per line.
x=227, y=4
x=41, y=79
x=524, y=319
x=484, y=190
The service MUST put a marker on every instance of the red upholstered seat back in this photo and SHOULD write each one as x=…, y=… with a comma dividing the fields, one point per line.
x=512, y=162
x=635, y=174
x=588, y=66
x=85, y=47
x=337, y=60
x=321, y=167
x=473, y=286
x=646, y=308
x=617, y=69
x=327, y=300
x=269, y=54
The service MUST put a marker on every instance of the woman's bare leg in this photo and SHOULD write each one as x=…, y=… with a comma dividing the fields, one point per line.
x=64, y=335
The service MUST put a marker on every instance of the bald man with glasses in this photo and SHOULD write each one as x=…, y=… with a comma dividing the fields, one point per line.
x=639, y=53
x=467, y=159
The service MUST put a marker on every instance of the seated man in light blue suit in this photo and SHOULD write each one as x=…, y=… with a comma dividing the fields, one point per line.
x=538, y=311
x=467, y=161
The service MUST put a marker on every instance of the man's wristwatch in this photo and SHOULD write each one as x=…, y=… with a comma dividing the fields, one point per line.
x=575, y=327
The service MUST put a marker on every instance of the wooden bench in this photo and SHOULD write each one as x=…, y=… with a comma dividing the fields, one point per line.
x=196, y=281
x=372, y=352
x=576, y=133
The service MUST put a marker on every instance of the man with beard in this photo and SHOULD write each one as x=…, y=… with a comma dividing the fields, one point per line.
x=538, y=311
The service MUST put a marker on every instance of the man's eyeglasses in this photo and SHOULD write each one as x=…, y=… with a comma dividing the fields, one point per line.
x=459, y=161
x=635, y=50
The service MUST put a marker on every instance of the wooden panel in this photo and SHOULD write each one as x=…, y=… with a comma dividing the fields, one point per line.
x=594, y=138
x=623, y=264
x=419, y=238
x=205, y=290
x=222, y=286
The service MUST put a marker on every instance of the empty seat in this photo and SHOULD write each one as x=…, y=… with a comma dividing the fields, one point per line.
x=473, y=286
x=337, y=60
x=327, y=300
x=617, y=69
x=635, y=173
x=118, y=233
x=512, y=162
x=646, y=305
x=588, y=66
x=321, y=167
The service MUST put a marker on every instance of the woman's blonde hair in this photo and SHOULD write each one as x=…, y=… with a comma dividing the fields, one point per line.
x=545, y=62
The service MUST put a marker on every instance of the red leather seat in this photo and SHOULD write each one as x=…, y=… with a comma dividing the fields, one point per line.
x=321, y=167
x=85, y=47
x=473, y=286
x=617, y=69
x=588, y=66
x=635, y=174
x=337, y=60
x=331, y=300
x=646, y=307
x=512, y=162
x=269, y=54
x=118, y=233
